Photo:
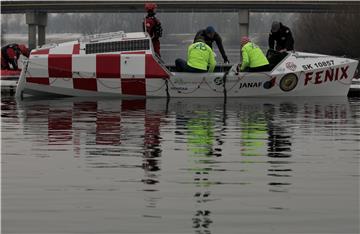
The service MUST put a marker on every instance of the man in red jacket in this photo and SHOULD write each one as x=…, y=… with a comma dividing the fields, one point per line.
x=10, y=55
x=152, y=26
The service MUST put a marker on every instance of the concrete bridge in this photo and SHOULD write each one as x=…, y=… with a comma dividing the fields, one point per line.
x=36, y=11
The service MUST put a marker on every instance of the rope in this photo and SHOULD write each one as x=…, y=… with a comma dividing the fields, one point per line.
x=179, y=91
x=167, y=90
x=106, y=86
x=155, y=90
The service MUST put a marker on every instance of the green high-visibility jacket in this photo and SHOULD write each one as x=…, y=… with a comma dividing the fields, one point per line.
x=252, y=56
x=201, y=56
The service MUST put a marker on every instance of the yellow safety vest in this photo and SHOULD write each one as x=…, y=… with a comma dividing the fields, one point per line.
x=252, y=56
x=201, y=56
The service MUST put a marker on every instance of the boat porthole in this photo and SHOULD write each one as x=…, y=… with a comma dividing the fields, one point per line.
x=288, y=82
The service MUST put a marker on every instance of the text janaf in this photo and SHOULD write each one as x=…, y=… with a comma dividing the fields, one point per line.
x=329, y=75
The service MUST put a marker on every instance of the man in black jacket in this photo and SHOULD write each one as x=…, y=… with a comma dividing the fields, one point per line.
x=210, y=35
x=281, y=35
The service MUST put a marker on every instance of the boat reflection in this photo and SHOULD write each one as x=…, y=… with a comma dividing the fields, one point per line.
x=218, y=138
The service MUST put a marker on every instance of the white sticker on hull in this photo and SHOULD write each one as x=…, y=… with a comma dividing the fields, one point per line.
x=132, y=65
x=84, y=66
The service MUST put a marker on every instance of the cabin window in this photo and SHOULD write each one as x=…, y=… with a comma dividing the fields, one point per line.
x=115, y=46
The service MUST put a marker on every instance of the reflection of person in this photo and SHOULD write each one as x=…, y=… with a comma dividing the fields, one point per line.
x=153, y=26
x=200, y=130
x=253, y=134
x=210, y=35
x=279, y=136
x=253, y=59
x=200, y=58
x=10, y=55
x=281, y=36
x=201, y=136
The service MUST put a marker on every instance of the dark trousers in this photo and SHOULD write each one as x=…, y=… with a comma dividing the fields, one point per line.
x=181, y=66
x=156, y=44
x=260, y=69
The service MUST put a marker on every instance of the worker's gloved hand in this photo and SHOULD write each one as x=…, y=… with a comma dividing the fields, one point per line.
x=226, y=61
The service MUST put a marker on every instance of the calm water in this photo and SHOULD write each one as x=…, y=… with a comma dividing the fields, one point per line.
x=183, y=166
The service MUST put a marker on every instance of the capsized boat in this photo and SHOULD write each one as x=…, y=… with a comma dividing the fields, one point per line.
x=125, y=65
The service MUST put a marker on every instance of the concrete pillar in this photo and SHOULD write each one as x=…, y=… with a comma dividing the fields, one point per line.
x=41, y=35
x=36, y=19
x=32, y=36
x=243, y=23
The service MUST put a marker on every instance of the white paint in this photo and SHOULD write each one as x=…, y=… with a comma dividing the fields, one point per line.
x=84, y=66
x=38, y=66
x=63, y=49
x=132, y=65
x=61, y=82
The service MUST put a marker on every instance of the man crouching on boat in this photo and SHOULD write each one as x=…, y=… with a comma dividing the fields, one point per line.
x=10, y=55
x=253, y=59
x=200, y=58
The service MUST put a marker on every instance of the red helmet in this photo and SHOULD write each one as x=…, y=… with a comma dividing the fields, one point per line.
x=150, y=6
x=24, y=50
x=244, y=40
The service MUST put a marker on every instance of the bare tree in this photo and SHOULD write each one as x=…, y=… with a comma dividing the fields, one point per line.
x=328, y=33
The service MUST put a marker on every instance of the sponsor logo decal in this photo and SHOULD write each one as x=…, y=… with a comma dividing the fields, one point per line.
x=329, y=75
x=270, y=83
x=250, y=85
x=179, y=88
x=291, y=66
x=218, y=80
x=288, y=82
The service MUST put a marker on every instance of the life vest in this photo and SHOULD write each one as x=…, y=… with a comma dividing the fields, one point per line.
x=11, y=51
x=9, y=55
x=252, y=56
x=201, y=56
x=153, y=27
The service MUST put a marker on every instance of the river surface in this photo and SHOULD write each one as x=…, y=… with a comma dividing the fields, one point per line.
x=198, y=166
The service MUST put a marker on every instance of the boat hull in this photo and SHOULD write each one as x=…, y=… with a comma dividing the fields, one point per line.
x=79, y=69
x=313, y=83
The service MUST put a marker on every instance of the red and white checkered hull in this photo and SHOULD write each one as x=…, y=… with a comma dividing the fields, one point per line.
x=66, y=69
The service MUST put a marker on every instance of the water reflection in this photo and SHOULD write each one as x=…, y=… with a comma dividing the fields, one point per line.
x=236, y=145
x=279, y=144
x=200, y=141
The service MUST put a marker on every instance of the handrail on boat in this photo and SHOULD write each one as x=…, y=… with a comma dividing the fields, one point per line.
x=101, y=36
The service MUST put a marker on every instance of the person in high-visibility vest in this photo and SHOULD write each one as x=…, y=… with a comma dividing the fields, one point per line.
x=200, y=58
x=253, y=59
